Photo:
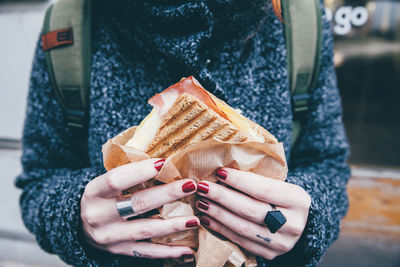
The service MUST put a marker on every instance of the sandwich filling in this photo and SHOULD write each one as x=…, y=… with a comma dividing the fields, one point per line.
x=146, y=131
x=162, y=103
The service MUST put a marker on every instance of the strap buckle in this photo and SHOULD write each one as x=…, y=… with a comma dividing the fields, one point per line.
x=300, y=105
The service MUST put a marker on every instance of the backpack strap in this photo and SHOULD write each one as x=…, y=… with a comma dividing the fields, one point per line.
x=302, y=20
x=66, y=40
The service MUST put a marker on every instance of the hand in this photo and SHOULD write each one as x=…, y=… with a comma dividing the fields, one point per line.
x=240, y=217
x=106, y=229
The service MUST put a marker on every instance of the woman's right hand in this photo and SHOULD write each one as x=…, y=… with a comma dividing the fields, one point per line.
x=107, y=230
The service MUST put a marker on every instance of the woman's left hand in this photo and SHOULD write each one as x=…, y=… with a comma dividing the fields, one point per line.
x=239, y=216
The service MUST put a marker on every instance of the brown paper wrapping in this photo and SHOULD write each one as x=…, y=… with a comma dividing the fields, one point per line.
x=199, y=162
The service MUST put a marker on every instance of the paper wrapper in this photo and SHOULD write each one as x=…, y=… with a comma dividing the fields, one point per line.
x=199, y=162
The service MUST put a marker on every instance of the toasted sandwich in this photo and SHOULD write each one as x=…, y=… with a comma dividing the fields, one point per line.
x=185, y=114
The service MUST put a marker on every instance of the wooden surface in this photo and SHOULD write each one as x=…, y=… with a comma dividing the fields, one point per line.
x=374, y=206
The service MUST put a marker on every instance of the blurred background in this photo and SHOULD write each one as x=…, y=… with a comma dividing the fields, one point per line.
x=367, y=60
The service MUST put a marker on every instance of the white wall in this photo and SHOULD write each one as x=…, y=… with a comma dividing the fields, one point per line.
x=20, y=25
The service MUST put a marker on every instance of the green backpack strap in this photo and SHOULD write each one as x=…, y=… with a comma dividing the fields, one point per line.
x=302, y=20
x=66, y=40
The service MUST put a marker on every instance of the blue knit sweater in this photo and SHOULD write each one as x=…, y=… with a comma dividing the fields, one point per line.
x=138, y=50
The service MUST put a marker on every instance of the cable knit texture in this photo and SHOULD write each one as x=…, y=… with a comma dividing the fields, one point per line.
x=236, y=49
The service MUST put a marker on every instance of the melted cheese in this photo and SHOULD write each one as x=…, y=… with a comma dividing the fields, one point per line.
x=239, y=120
x=146, y=131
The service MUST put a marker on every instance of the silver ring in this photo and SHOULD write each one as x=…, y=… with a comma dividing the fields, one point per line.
x=124, y=207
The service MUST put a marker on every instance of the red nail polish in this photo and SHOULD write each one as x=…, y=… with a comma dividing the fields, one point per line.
x=192, y=223
x=205, y=221
x=158, y=164
x=222, y=174
x=203, y=188
x=189, y=187
x=202, y=204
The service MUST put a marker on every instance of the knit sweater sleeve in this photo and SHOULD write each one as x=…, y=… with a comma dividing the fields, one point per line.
x=318, y=164
x=54, y=176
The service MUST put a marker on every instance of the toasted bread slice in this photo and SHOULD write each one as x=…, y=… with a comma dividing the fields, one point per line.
x=244, y=122
x=189, y=121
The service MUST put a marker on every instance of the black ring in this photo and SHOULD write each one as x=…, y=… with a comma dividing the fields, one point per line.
x=274, y=220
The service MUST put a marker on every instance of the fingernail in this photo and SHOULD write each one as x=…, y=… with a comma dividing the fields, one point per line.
x=189, y=187
x=158, y=164
x=205, y=221
x=203, y=188
x=187, y=257
x=221, y=174
x=192, y=223
x=202, y=204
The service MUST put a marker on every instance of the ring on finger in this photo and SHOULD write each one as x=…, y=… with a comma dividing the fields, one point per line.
x=274, y=219
x=125, y=207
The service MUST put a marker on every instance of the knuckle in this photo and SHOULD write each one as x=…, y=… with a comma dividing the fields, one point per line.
x=101, y=237
x=243, y=229
x=295, y=230
x=250, y=211
x=303, y=197
x=283, y=246
x=177, y=227
x=265, y=191
x=133, y=236
x=140, y=204
x=216, y=212
x=91, y=217
x=307, y=200
x=111, y=181
x=89, y=191
x=144, y=233
x=174, y=192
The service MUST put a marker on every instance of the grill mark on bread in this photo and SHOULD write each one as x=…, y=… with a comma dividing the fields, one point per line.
x=213, y=133
x=190, y=121
x=208, y=130
x=225, y=133
x=184, y=142
x=230, y=136
x=170, y=135
x=186, y=108
x=181, y=115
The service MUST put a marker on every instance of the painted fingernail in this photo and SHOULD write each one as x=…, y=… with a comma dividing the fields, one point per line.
x=192, y=223
x=188, y=187
x=205, y=221
x=187, y=257
x=203, y=188
x=158, y=164
x=202, y=204
x=221, y=174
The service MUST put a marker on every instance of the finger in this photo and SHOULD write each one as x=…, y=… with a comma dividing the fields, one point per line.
x=101, y=211
x=239, y=203
x=255, y=232
x=112, y=183
x=141, y=229
x=149, y=250
x=155, y=197
x=261, y=250
x=263, y=188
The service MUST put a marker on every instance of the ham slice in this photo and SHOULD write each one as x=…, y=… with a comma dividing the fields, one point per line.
x=164, y=100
